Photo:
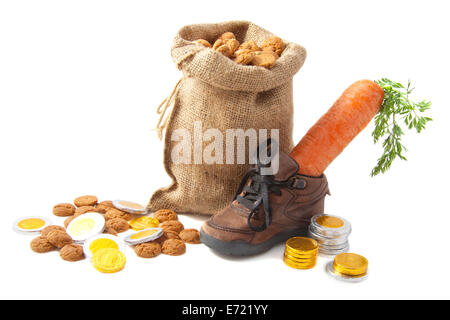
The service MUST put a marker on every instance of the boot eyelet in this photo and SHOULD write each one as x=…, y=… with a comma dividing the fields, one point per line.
x=298, y=183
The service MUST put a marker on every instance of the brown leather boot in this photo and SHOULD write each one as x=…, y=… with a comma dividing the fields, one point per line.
x=266, y=210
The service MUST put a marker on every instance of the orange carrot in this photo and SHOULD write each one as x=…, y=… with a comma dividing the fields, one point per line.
x=348, y=116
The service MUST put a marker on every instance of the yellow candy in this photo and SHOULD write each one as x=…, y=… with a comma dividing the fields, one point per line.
x=142, y=223
x=31, y=223
x=102, y=243
x=108, y=260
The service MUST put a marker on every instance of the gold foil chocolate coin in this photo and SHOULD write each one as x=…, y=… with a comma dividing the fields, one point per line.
x=128, y=206
x=330, y=221
x=108, y=260
x=31, y=224
x=102, y=241
x=300, y=260
x=350, y=264
x=301, y=253
x=142, y=223
x=297, y=265
x=302, y=245
x=331, y=232
x=142, y=236
x=349, y=267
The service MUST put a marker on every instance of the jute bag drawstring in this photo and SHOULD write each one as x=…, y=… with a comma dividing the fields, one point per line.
x=162, y=109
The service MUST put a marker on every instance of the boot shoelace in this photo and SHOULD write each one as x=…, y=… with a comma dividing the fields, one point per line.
x=255, y=193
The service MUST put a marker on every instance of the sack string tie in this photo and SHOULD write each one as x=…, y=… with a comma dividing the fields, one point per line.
x=162, y=109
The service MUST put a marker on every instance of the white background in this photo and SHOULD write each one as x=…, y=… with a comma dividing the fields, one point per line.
x=79, y=85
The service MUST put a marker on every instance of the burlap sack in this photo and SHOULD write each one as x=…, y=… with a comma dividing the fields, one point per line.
x=224, y=95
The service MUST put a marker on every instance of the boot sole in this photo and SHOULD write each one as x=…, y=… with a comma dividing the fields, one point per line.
x=242, y=248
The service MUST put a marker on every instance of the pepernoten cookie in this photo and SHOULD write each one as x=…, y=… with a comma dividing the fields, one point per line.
x=172, y=225
x=104, y=206
x=116, y=213
x=68, y=221
x=51, y=228
x=165, y=215
x=191, y=236
x=72, y=252
x=148, y=250
x=85, y=201
x=84, y=209
x=117, y=224
x=59, y=238
x=173, y=247
x=41, y=245
x=64, y=210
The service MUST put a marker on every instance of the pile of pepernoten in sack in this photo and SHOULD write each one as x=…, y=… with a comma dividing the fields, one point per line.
x=91, y=230
x=239, y=75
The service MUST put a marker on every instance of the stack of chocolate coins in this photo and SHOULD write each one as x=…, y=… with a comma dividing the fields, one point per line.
x=301, y=253
x=331, y=233
x=348, y=267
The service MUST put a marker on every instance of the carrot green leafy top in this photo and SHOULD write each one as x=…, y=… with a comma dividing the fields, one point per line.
x=396, y=113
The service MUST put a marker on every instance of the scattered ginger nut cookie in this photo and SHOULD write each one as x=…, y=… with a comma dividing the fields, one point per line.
x=59, y=238
x=116, y=213
x=68, y=221
x=148, y=249
x=85, y=201
x=173, y=247
x=41, y=245
x=106, y=203
x=51, y=228
x=117, y=224
x=275, y=44
x=104, y=206
x=204, y=43
x=170, y=234
x=190, y=236
x=110, y=231
x=63, y=209
x=172, y=225
x=72, y=252
x=165, y=215
x=167, y=234
x=84, y=209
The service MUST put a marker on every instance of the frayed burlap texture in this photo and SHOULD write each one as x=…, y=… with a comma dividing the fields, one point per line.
x=223, y=95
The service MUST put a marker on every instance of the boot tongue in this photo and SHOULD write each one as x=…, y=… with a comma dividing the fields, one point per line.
x=287, y=167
